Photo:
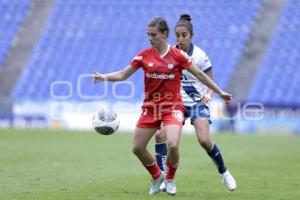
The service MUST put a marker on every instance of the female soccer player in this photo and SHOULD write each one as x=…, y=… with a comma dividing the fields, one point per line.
x=162, y=65
x=195, y=96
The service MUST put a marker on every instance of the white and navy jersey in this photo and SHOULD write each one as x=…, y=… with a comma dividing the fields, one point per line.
x=192, y=90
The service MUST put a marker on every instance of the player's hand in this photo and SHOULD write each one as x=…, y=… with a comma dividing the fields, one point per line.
x=97, y=77
x=206, y=98
x=226, y=96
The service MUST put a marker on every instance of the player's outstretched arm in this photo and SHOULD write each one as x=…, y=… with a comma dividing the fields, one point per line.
x=207, y=97
x=114, y=76
x=209, y=83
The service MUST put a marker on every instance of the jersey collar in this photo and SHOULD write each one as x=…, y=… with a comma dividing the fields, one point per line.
x=163, y=55
x=190, y=51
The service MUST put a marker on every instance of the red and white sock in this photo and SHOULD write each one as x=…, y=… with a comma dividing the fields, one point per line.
x=154, y=170
x=171, y=170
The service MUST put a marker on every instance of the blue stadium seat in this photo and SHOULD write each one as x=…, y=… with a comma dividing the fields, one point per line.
x=12, y=14
x=280, y=67
x=82, y=36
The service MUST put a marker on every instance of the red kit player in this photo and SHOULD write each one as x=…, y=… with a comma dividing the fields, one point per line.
x=162, y=65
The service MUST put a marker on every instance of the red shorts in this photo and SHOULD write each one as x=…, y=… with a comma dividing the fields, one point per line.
x=149, y=119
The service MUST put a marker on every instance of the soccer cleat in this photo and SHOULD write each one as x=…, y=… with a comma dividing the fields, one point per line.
x=156, y=184
x=170, y=187
x=229, y=181
x=162, y=187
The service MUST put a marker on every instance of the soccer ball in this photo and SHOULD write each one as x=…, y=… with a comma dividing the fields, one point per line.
x=105, y=122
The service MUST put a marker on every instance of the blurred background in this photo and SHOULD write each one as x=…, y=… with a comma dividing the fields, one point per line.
x=49, y=49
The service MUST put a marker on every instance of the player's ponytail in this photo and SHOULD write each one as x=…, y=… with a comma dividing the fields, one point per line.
x=186, y=17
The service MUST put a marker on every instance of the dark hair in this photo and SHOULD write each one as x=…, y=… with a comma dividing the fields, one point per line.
x=161, y=24
x=185, y=20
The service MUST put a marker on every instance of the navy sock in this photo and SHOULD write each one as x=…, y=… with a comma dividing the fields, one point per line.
x=216, y=156
x=161, y=155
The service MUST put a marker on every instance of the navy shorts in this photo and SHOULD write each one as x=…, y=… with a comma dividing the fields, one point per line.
x=198, y=111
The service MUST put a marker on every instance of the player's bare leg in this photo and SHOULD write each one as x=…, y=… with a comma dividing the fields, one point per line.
x=173, y=138
x=202, y=130
x=141, y=138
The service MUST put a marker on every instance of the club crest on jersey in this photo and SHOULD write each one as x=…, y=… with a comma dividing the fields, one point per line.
x=170, y=66
x=138, y=58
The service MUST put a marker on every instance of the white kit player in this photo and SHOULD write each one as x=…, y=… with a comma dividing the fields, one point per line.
x=195, y=96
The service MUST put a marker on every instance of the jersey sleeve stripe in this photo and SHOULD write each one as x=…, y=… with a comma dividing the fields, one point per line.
x=192, y=92
x=207, y=69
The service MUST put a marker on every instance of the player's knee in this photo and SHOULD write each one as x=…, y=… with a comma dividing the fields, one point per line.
x=172, y=147
x=205, y=143
x=137, y=150
x=160, y=137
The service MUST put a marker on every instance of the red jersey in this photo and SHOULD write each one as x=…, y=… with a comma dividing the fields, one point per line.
x=162, y=76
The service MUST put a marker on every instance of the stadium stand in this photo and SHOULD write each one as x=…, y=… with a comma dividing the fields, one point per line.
x=277, y=82
x=83, y=36
x=12, y=13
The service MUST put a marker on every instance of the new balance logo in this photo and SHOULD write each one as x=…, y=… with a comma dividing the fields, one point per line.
x=138, y=58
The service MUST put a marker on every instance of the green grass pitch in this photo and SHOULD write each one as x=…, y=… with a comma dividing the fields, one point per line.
x=39, y=164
